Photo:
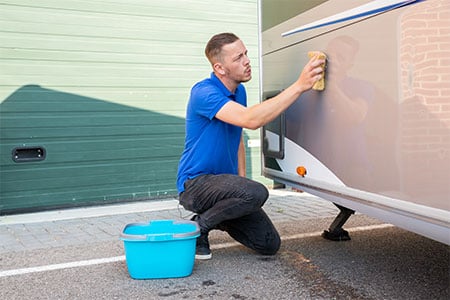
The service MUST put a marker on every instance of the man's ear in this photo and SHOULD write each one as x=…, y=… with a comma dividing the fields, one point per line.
x=219, y=68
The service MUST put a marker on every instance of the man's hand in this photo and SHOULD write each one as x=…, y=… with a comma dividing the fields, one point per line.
x=311, y=73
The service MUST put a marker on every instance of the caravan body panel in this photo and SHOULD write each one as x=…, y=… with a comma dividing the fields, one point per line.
x=377, y=139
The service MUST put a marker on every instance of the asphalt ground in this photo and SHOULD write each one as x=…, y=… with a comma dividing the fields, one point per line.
x=77, y=254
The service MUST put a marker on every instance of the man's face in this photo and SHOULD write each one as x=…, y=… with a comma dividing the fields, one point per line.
x=341, y=56
x=235, y=63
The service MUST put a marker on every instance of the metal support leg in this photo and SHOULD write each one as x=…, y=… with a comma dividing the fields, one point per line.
x=336, y=232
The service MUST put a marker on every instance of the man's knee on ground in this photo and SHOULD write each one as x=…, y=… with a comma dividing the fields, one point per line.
x=271, y=248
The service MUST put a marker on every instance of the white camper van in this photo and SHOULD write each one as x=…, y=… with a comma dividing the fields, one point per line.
x=376, y=140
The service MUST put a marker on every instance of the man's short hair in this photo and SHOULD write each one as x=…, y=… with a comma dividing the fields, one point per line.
x=214, y=47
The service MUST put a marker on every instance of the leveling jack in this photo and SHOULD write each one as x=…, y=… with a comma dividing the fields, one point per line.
x=336, y=232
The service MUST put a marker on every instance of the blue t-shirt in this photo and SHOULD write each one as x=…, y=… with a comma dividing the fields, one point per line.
x=211, y=146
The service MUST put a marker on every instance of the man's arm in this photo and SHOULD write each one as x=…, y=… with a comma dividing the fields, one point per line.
x=241, y=158
x=262, y=113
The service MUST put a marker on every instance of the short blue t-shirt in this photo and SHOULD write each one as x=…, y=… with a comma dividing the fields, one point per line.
x=211, y=146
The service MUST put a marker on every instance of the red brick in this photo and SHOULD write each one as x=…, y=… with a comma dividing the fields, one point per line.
x=444, y=14
x=426, y=92
x=445, y=92
x=440, y=132
x=434, y=70
x=437, y=100
x=427, y=77
x=444, y=31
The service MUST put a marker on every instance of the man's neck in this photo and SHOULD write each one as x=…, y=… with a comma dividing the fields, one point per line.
x=229, y=84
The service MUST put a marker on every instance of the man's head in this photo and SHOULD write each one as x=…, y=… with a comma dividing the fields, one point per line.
x=213, y=49
x=342, y=51
x=228, y=57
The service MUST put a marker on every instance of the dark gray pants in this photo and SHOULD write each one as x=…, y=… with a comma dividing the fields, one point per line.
x=234, y=204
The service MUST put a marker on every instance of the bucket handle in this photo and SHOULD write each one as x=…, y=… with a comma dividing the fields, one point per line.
x=187, y=234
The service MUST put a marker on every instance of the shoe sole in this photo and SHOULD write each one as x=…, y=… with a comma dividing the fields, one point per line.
x=203, y=256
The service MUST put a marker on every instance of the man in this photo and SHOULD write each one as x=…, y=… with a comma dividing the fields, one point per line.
x=211, y=175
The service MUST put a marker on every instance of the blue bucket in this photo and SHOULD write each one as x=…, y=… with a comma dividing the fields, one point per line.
x=160, y=249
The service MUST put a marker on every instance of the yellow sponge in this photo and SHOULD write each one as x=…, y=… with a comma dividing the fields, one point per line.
x=320, y=84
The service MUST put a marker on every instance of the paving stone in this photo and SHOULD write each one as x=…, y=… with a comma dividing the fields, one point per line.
x=281, y=206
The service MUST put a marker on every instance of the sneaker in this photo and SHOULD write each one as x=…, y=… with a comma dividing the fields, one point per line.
x=202, y=250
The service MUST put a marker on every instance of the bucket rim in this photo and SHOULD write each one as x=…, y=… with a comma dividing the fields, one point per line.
x=160, y=236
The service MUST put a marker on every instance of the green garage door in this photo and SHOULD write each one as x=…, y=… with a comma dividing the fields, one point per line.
x=93, y=95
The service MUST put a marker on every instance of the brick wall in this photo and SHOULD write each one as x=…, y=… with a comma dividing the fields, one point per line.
x=425, y=99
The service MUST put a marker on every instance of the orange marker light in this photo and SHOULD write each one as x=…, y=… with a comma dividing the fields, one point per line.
x=301, y=170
